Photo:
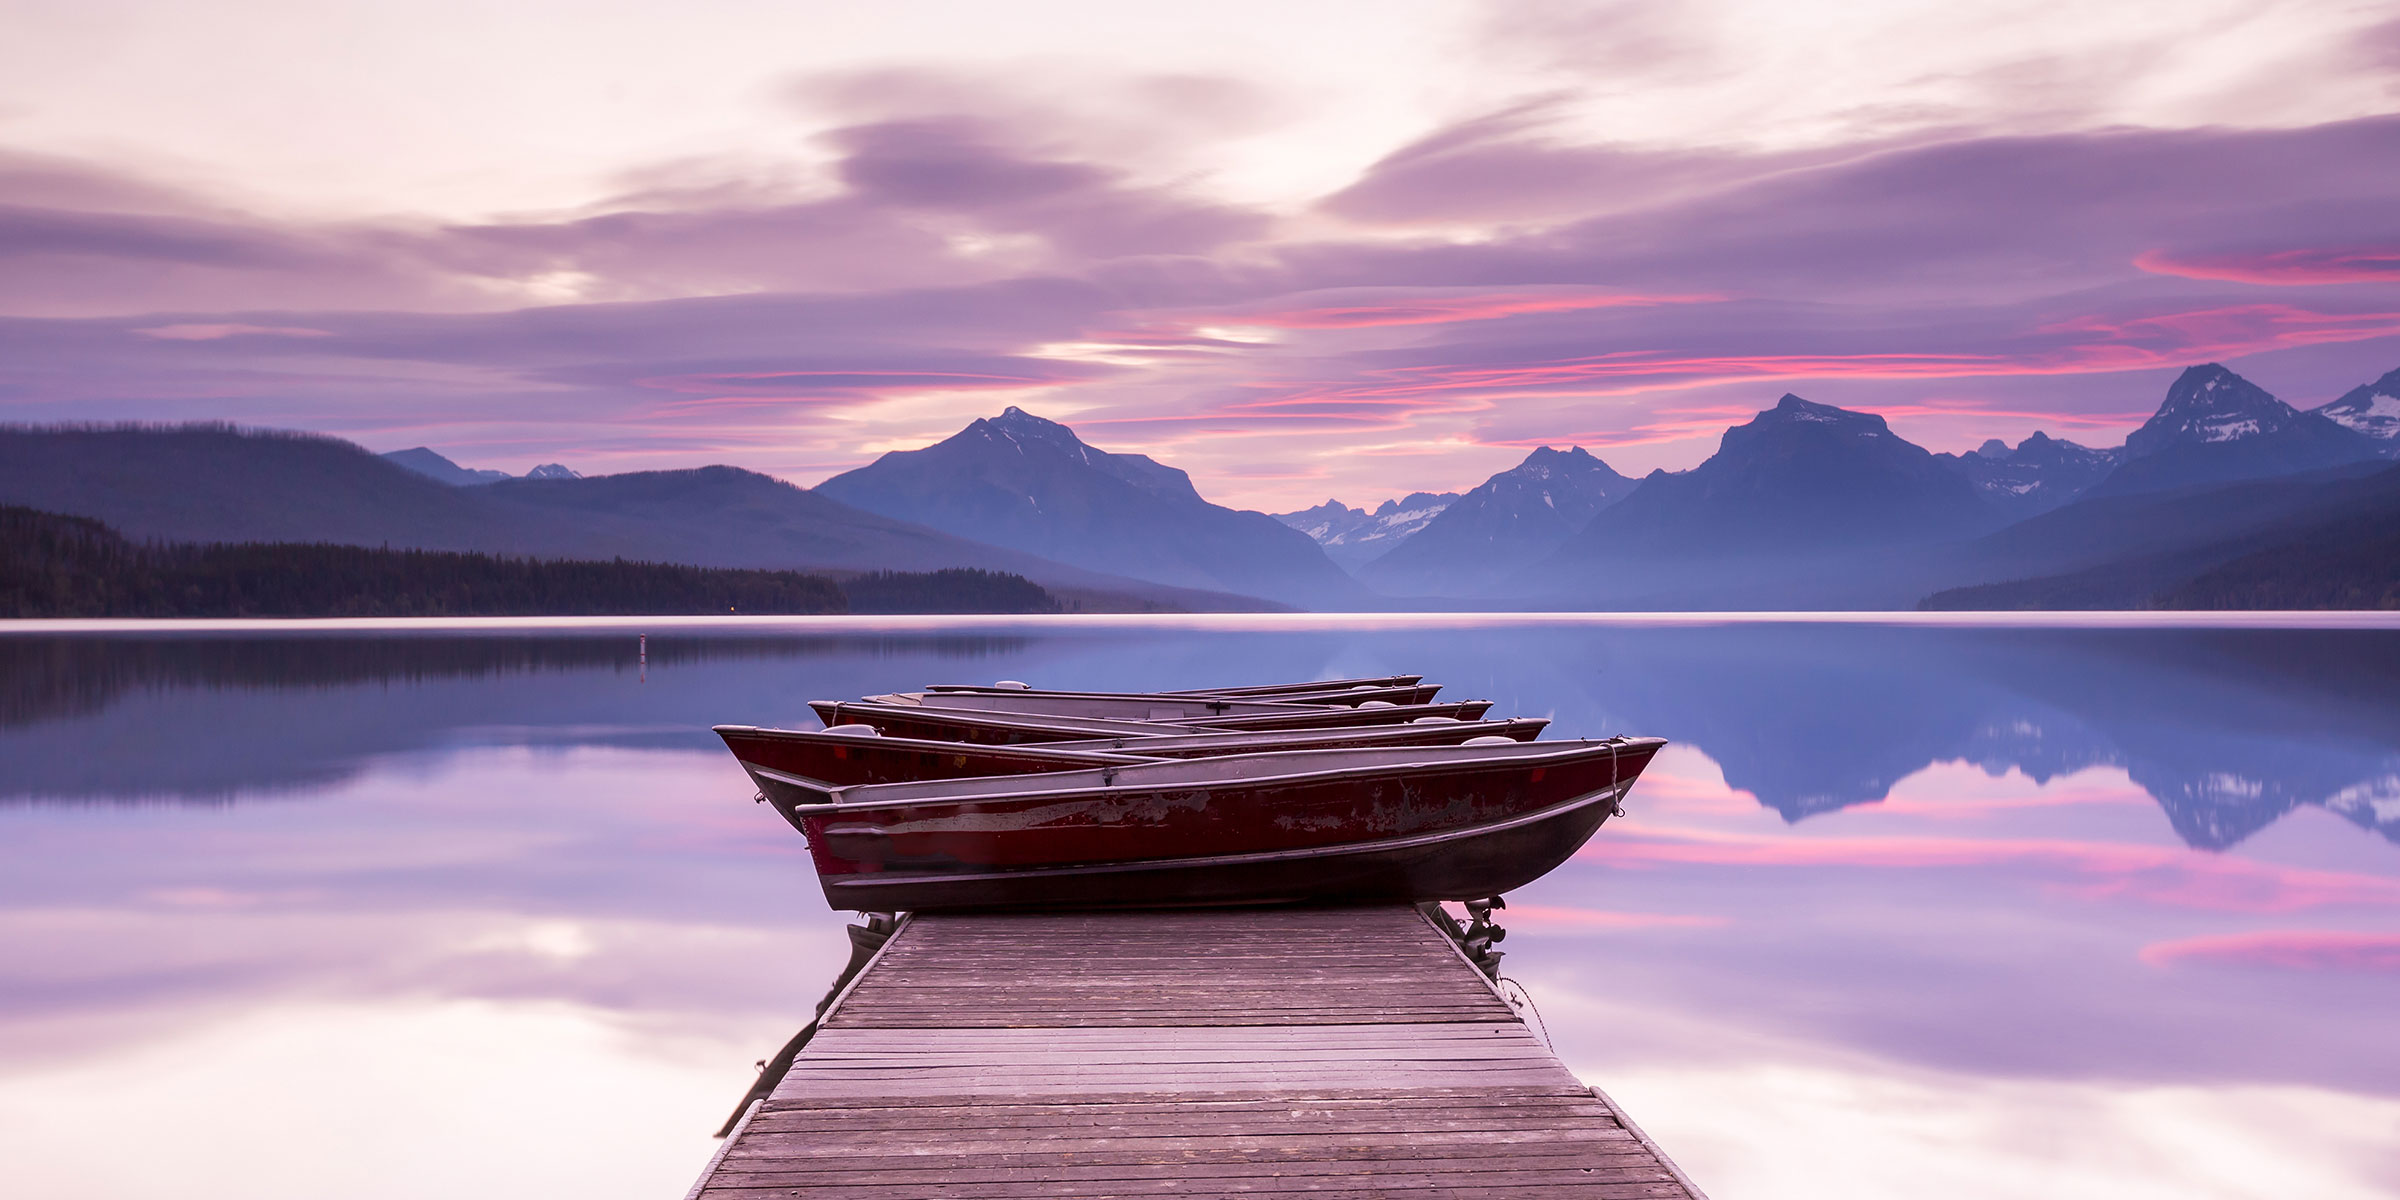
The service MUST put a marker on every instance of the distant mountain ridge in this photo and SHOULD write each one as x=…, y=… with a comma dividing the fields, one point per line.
x=2330, y=538
x=2040, y=474
x=440, y=469
x=426, y=462
x=1509, y=520
x=1799, y=475
x=1353, y=537
x=1024, y=482
x=2217, y=427
x=1805, y=505
x=2370, y=409
x=220, y=484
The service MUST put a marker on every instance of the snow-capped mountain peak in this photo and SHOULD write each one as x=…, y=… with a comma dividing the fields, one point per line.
x=2370, y=408
x=1351, y=536
x=2209, y=404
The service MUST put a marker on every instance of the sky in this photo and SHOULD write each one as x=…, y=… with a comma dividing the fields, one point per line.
x=1301, y=249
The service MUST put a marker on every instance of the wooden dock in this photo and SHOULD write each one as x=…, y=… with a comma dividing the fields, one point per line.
x=1347, y=1053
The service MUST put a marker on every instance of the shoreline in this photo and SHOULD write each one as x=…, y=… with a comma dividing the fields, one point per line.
x=2295, y=619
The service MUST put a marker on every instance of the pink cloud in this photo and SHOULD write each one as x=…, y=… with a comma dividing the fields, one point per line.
x=845, y=380
x=2361, y=264
x=743, y=390
x=2093, y=344
x=2293, y=949
x=1389, y=398
x=2175, y=877
x=210, y=333
x=1441, y=308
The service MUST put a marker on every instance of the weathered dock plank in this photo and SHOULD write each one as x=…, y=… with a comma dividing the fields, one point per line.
x=1334, y=1053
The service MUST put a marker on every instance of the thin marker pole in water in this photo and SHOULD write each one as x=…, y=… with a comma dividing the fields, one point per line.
x=644, y=658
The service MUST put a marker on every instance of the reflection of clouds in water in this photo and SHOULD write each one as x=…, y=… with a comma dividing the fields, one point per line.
x=490, y=888
x=2003, y=935
x=401, y=1098
x=2293, y=949
x=638, y=892
x=1803, y=1128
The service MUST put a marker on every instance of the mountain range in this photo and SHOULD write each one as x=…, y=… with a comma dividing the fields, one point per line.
x=1504, y=523
x=2226, y=496
x=1354, y=537
x=1029, y=484
x=431, y=465
x=219, y=484
x=1811, y=506
x=2217, y=427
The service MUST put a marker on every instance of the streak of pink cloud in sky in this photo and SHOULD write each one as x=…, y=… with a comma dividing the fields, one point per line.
x=2289, y=949
x=2281, y=267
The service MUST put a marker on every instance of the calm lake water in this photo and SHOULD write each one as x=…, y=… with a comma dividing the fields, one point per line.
x=1906, y=911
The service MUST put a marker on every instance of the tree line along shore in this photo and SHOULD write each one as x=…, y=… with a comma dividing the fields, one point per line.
x=53, y=566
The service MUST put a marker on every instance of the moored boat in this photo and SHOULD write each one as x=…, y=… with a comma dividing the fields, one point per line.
x=1412, y=823
x=796, y=766
x=1424, y=731
x=1248, y=689
x=1315, y=685
x=803, y=766
x=1114, y=706
x=1370, y=713
x=982, y=727
x=898, y=716
x=1053, y=700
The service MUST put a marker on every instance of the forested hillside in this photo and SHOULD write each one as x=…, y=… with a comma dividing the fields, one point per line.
x=62, y=566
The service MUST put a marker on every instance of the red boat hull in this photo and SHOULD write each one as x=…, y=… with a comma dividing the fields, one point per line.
x=1444, y=827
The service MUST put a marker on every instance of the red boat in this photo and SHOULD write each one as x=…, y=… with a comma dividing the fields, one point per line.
x=1320, y=685
x=1406, y=824
x=1112, y=706
x=901, y=716
x=1253, y=690
x=978, y=727
x=793, y=766
x=1424, y=731
x=1373, y=712
x=1020, y=699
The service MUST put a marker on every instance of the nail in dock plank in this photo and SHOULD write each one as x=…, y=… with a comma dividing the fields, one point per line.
x=1335, y=1053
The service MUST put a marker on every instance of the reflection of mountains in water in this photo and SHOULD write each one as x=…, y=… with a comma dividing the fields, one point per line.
x=2227, y=729
x=205, y=718
x=47, y=677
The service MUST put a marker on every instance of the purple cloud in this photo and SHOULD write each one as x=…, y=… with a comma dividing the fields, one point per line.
x=956, y=261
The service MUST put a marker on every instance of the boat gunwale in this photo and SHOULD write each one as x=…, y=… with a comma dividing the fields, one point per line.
x=1491, y=728
x=1115, y=726
x=1099, y=758
x=1513, y=754
x=1480, y=727
x=1223, y=706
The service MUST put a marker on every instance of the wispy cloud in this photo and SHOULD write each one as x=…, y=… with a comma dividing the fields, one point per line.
x=2287, y=949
